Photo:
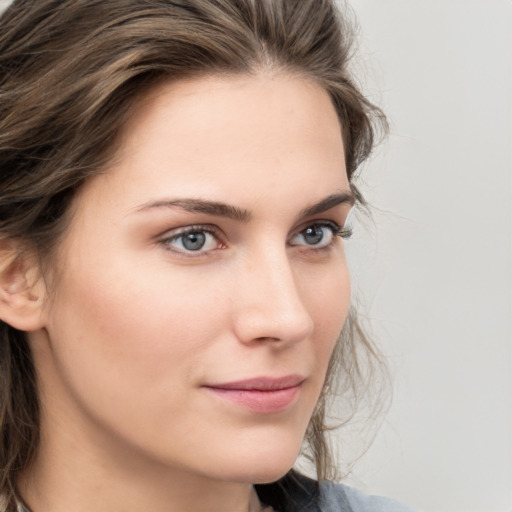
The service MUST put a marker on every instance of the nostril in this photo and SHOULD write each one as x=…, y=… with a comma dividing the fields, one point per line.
x=267, y=338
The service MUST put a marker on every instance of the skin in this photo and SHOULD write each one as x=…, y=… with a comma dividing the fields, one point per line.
x=136, y=326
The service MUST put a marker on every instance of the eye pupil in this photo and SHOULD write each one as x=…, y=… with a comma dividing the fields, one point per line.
x=313, y=235
x=194, y=241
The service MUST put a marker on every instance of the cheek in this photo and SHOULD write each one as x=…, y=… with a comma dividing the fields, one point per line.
x=327, y=295
x=327, y=298
x=119, y=329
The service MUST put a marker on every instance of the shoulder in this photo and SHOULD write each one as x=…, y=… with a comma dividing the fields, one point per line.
x=296, y=492
x=341, y=498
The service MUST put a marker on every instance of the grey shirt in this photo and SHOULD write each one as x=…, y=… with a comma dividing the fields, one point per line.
x=340, y=498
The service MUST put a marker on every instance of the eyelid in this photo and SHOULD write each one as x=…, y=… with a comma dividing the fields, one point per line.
x=333, y=219
x=317, y=222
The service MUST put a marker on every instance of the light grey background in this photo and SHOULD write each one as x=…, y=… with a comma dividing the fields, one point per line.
x=435, y=273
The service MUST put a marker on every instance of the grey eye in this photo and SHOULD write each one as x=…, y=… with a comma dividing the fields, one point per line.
x=193, y=241
x=314, y=234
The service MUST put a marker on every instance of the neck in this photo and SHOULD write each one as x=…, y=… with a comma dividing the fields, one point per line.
x=45, y=492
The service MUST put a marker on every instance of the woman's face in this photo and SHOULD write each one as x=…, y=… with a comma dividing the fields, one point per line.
x=201, y=285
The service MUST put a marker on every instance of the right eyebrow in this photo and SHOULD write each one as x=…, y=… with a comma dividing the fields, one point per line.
x=201, y=206
x=329, y=202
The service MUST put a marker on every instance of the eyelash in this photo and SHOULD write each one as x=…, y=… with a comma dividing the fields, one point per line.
x=337, y=231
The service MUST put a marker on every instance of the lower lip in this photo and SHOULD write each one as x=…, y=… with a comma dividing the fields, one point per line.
x=268, y=401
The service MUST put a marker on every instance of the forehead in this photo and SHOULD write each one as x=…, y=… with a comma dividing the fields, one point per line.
x=218, y=106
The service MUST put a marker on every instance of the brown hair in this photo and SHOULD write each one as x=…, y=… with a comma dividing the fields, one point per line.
x=70, y=74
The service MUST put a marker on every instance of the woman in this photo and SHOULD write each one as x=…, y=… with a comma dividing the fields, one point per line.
x=175, y=182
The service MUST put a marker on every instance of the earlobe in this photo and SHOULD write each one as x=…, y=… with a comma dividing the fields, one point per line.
x=21, y=294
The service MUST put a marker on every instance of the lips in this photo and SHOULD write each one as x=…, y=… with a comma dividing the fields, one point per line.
x=262, y=395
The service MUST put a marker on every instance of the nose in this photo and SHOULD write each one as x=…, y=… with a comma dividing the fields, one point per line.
x=268, y=304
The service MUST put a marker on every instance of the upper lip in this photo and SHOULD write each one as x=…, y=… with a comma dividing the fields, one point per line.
x=261, y=383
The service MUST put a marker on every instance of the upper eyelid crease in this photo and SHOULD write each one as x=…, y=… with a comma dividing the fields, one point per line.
x=177, y=232
x=240, y=214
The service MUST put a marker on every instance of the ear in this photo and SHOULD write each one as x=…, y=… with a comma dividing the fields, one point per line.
x=22, y=290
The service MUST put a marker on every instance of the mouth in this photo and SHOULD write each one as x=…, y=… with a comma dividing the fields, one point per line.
x=263, y=395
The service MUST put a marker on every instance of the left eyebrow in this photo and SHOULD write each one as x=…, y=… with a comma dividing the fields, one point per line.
x=202, y=206
x=328, y=203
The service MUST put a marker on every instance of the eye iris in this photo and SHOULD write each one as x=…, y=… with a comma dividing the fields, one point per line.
x=313, y=235
x=194, y=241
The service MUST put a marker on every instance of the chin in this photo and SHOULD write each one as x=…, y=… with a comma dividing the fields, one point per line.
x=259, y=475
x=264, y=455
x=270, y=477
x=262, y=466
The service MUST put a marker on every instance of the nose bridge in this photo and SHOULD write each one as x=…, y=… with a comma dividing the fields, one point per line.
x=270, y=305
